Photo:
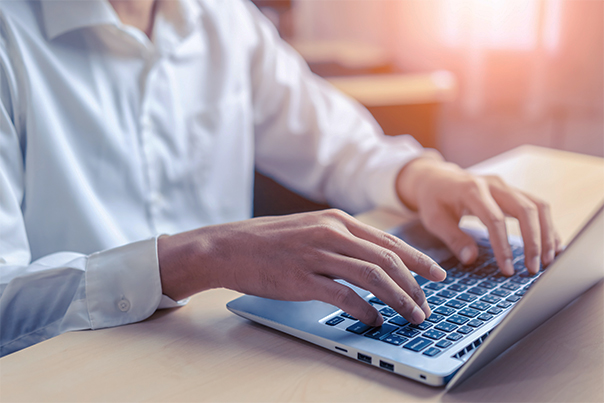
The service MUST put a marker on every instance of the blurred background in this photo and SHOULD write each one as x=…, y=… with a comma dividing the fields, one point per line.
x=472, y=78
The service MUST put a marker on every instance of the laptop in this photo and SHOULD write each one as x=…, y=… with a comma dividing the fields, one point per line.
x=476, y=312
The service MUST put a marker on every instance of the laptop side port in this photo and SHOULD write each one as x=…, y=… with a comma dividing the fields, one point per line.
x=341, y=349
x=387, y=365
x=364, y=358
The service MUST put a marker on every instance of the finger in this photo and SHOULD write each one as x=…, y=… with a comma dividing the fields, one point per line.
x=415, y=260
x=550, y=240
x=346, y=299
x=445, y=226
x=481, y=203
x=390, y=263
x=519, y=206
x=370, y=276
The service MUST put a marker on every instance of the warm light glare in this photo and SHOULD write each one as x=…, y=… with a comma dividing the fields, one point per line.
x=500, y=24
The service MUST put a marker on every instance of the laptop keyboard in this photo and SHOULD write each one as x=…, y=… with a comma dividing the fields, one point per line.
x=468, y=298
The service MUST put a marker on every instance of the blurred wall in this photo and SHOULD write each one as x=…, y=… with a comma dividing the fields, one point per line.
x=530, y=71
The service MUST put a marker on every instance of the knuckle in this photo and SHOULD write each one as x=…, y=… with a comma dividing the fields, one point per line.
x=389, y=260
x=404, y=304
x=372, y=275
x=497, y=219
x=343, y=296
x=495, y=179
x=389, y=241
x=335, y=214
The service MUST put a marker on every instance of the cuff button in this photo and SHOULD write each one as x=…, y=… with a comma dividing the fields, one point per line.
x=123, y=305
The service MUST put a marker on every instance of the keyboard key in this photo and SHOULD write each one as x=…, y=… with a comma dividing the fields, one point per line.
x=488, y=285
x=376, y=300
x=490, y=299
x=504, y=304
x=474, y=323
x=334, y=321
x=458, y=320
x=458, y=287
x=455, y=336
x=478, y=275
x=501, y=293
x=435, y=286
x=381, y=331
x=417, y=344
x=446, y=327
x=497, y=278
x=449, y=280
x=467, y=297
x=455, y=304
x=495, y=311
x=521, y=280
x=520, y=293
x=348, y=316
x=511, y=286
x=483, y=306
x=447, y=294
x=465, y=330
x=398, y=320
x=408, y=332
x=436, y=300
x=513, y=298
x=435, y=318
x=431, y=352
x=434, y=334
x=358, y=328
x=395, y=339
x=478, y=290
x=443, y=344
x=387, y=311
x=443, y=310
x=469, y=312
x=456, y=273
x=468, y=281
x=427, y=293
x=485, y=316
x=422, y=326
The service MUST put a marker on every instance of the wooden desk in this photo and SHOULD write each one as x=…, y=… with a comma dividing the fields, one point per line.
x=204, y=353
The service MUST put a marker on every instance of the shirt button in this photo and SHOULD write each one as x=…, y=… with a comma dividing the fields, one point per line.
x=123, y=305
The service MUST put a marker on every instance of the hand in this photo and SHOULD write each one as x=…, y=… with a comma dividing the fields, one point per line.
x=297, y=258
x=443, y=192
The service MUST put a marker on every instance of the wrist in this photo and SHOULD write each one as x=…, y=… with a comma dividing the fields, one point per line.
x=183, y=269
x=411, y=176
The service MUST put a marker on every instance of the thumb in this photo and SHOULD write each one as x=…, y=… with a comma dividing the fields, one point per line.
x=446, y=228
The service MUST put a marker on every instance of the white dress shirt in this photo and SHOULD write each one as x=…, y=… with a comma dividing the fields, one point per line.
x=108, y=139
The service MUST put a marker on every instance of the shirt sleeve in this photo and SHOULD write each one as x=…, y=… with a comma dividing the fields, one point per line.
x=64, y=291
x=315, y=140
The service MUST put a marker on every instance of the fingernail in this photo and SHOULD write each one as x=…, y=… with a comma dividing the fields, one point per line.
x=426, y=309
x=417, y=316
x=466, y=255
x=508, y=267
x=535, y=264
x=550, y=256
x=437, y=272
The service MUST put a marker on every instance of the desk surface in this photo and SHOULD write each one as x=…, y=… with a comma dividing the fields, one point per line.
x=204, y=353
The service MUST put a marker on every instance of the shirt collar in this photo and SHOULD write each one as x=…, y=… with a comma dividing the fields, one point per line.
x=62, y=16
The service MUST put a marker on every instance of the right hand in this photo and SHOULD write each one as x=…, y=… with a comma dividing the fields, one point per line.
x=297, y=257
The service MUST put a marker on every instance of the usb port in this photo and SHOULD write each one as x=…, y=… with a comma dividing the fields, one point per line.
x=364, y=358
x=387, y=365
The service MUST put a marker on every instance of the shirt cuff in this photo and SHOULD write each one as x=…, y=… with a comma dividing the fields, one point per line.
x=382, y=186
x=123, y=284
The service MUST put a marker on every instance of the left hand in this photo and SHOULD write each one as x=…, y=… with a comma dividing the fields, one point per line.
x=442, y=193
